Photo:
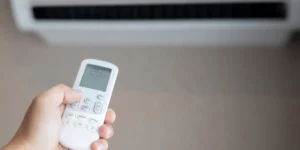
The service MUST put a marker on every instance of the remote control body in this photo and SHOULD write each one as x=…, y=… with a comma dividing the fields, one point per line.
x=81, y=120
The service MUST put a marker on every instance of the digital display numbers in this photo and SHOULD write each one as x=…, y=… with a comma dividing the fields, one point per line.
x=95, y=77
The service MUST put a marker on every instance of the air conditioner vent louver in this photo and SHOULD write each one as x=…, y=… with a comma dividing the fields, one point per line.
x=229, y=11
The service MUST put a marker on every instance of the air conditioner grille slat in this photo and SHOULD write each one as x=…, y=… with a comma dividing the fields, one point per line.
x=257, y=10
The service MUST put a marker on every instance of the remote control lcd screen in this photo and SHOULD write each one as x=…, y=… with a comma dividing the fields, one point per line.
x=95, y=77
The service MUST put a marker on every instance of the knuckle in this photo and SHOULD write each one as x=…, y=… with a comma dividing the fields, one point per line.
x=38, y=100
x=60, y=86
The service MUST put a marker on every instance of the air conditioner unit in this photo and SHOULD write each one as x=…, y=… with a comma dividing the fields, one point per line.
x=159, y=22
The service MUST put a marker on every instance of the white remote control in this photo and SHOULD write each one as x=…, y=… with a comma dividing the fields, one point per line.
x=81, y=120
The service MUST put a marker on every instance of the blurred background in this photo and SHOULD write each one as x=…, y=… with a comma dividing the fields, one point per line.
x=166, y=98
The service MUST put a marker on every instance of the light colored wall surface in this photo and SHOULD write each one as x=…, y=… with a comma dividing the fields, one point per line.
x=166, y=98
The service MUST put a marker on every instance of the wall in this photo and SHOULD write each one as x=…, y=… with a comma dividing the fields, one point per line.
x=166, y=98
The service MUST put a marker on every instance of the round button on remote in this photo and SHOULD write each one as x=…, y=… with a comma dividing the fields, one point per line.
x=87, y=101
x=74, y=105
x=99, y=97
x=85, y=108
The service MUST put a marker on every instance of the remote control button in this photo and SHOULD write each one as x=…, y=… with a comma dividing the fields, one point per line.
x=92, y=128
x=81, y=118
x=75, y=105
x=98, y=108
x=98, y=104
x=87, y=101
x=67, y=122
x=100, y=97
x=85, y=108
x=69, y=116
x=94, y=122
x=80, y=125
x=64, y=122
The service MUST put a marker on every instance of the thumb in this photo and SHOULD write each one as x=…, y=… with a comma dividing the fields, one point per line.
x=61, y=94
x=72, y=96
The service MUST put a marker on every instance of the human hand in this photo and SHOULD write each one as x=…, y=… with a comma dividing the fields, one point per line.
x=40, y=129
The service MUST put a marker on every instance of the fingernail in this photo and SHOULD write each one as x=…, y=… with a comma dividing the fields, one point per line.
x=100, y=147
x=110, y=132
x=77, y=92
x=72, y=91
